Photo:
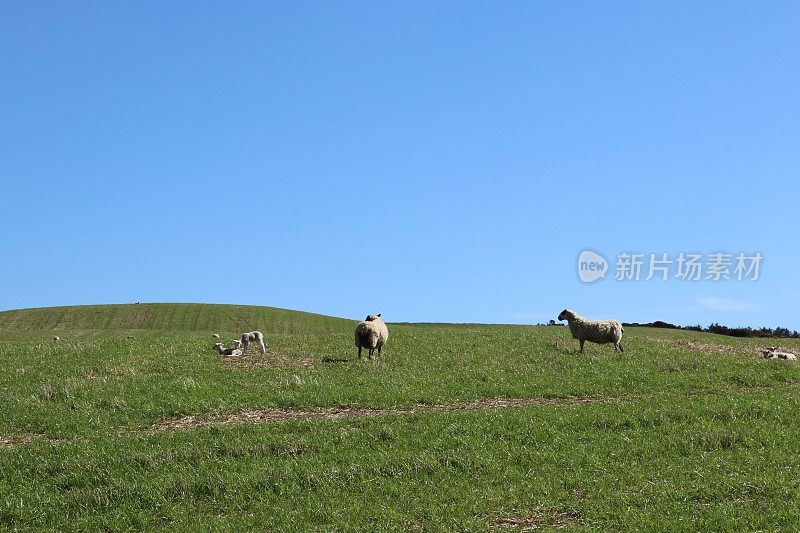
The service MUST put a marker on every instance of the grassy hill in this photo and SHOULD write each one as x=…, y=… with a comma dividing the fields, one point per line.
x=132, y=422
x=165, y=317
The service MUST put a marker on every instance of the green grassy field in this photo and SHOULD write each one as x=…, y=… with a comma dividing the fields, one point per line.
x=455, y=427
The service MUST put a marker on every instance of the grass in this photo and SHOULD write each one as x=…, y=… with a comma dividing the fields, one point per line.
x=684, y=431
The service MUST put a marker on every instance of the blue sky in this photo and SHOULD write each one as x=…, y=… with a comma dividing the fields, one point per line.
x=432, y=161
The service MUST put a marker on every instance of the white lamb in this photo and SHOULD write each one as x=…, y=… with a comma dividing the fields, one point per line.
x=774, y=353
x=251, y=337
x=229, y=352
x=599, y=331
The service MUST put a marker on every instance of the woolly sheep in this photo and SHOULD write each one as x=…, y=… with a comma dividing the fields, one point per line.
x=222, y=350
x=599, y=331
x=250, y=337
x=372, y=334
x=774, y=353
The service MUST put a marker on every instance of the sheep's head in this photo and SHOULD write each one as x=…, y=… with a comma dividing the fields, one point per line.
x=370, y=318
x=566, y=314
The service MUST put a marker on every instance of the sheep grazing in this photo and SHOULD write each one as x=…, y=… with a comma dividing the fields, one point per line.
x=774, y=353
x=371, y=334
x=251, y=337
x=230, y=352
x=599, y=331
x=215, y=335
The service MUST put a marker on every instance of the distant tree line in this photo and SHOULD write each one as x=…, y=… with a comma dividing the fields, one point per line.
x=779, y=332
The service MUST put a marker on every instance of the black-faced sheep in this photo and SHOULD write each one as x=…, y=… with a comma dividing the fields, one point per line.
x=371, y=334
x=599, y=331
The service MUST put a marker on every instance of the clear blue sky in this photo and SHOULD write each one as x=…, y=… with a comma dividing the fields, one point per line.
x=432, y=161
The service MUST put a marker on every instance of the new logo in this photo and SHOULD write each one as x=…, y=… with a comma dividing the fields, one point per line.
x=591, y=266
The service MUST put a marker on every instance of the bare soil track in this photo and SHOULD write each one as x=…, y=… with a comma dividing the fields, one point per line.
x=544, y=518
x=337, y=413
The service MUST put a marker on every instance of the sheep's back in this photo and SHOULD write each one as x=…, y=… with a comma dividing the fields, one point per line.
x=599, y=331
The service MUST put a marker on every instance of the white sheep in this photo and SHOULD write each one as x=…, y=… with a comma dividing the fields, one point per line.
x=599, y=331
x=253, y=336
x=774, y=353
x=230, y=352
x=372, y=334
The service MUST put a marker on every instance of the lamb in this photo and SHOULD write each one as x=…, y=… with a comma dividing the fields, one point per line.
x=253, y=336
x=774, y=353
x=222, y=350
x=599, y=331
x=372, y=334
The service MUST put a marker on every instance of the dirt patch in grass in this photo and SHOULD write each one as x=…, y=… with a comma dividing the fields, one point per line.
x=19, y=439
x=8, y=441
x=706, y=347
x=269, y=361
x=545, y=518
x=337, y=413
x=702, y=346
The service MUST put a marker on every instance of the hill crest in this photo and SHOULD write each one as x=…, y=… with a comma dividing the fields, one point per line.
x=170, y=316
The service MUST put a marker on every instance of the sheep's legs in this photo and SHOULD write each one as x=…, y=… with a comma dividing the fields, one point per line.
x=581, y=341
x=620, y=347
x=359, y=352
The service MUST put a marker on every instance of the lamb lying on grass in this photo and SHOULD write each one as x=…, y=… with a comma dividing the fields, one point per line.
x=372, y=334
x=599, y=331
x=774, y=353
x=227, y=352
x=253, y=336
